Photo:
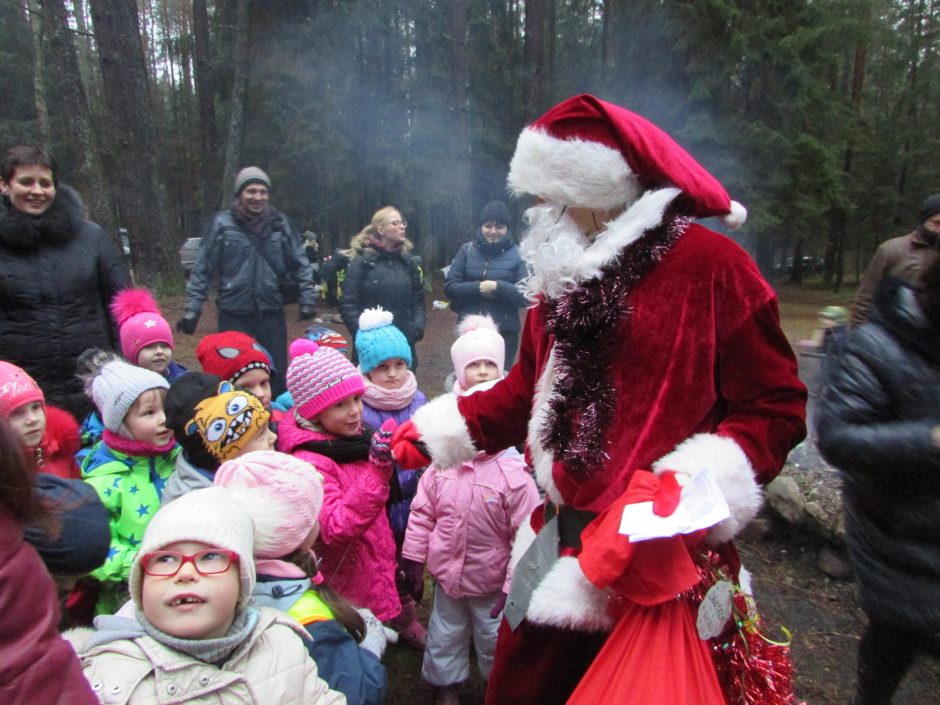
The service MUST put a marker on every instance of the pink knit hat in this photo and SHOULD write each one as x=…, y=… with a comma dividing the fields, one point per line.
x=138, y=317
x=318, y=377
x=479, y=340
x=294, y=483
x=16, y=389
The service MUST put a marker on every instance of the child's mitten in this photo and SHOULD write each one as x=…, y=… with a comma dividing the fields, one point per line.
x=414, y=578
x=375, y=640
x=380, y=453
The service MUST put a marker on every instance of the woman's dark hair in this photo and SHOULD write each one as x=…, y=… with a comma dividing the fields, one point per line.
x=342, y=609
x=21, y=155
x=17, y=482
x=928, y=294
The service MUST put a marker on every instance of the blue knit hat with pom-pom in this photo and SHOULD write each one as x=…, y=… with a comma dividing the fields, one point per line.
x=318, y=377
x=379, y=340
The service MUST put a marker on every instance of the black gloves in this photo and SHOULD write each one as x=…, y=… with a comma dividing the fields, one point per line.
x=187, y=324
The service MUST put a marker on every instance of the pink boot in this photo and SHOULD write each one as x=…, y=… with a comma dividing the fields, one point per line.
x=410, y=631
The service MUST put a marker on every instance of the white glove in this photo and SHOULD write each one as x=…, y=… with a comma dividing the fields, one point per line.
x=375, y=640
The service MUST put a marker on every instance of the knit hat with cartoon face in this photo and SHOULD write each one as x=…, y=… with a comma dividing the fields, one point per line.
x=378, y=340
x=231, y=354
x=139, y=321
x=16, y=389
x=318, y=377
x=210, y=515
x=228, y=421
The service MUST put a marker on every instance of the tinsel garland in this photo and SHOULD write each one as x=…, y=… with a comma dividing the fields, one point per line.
x=583, y=321
x=751, y=669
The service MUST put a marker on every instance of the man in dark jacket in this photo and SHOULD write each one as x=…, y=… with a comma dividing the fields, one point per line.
x=255, y=255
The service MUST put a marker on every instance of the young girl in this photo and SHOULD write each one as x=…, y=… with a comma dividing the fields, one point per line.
x=392, y=393
x=286, y=528
x=191, y=635
x=49, y=434
x=462, y=523
x=130, y=464
x=238, y=358
x=146, y=337
x=324, y=428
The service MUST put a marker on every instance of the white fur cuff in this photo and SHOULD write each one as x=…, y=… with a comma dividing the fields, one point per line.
x=568, y=600
x=729, y=467
x=444, y=432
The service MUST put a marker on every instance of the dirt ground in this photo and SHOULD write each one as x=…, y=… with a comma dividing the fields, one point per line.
x=821, y=613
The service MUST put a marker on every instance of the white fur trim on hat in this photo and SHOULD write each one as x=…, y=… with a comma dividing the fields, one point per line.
x=211, y=516
x=729, y=466
x=566, y=599
x=444, y=432
x=573, y=172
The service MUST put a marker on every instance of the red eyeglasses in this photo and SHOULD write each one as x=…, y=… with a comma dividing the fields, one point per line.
x=165, y=564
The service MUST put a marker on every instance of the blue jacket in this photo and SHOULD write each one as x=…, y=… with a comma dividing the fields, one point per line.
x=480, y=260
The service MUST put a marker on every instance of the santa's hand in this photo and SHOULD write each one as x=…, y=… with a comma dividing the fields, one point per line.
x=407, y=449
x=667, y=496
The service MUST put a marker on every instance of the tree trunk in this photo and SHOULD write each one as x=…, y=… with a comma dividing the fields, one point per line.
x=533, y=59
x=73, y=137
x=140, y=200
x=461, y=136
x=42, y=110
x=236, y=121
x=204, y=97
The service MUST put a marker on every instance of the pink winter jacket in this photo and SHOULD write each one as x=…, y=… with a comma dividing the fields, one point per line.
x=356, y=546
x=463, y=520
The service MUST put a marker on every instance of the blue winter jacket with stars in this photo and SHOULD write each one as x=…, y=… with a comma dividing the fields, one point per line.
x=130, y=487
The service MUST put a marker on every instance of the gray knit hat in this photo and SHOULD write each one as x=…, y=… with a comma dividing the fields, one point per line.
x=117, y=387
x=251, y=175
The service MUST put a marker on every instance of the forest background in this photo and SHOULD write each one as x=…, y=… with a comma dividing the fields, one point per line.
x=821, y=116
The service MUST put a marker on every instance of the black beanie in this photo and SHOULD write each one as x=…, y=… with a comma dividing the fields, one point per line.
x=180, y=405
x=929, y=208
x=495, y=211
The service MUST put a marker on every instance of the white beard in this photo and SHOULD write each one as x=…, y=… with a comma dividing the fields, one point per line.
x=553, y=249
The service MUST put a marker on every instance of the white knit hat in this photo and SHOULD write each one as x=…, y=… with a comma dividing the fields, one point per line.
x=479, y=340
x=117, y=387
x=211, y=515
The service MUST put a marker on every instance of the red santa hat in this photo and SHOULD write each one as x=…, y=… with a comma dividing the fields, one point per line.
x=593, y=154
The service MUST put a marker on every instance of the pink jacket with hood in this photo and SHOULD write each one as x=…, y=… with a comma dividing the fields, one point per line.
x=463, y=520
x=356, y=546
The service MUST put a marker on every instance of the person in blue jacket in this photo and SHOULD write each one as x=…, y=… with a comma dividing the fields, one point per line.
x=482, y=278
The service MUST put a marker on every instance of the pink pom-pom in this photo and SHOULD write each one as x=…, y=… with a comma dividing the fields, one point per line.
x=130, y=302
x=475, y=322
x=303, y=346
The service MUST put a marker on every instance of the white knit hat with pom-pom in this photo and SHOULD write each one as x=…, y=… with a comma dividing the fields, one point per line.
x=479, y=340
x=378, y=340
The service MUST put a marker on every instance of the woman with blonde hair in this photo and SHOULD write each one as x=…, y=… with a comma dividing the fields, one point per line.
x=383, y=273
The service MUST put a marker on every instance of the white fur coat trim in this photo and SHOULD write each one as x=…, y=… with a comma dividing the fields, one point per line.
x=566, y=599
x=444, y=432
x=730, y=468
x=576, y=172
x=542, y=458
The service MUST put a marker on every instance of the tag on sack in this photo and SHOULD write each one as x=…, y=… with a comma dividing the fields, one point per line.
x=715, y=610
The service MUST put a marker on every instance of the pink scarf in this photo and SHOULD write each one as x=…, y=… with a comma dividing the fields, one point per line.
x=391, y=399
x=129, y=446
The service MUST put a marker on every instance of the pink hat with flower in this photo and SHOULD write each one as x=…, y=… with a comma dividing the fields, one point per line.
x=318, y=377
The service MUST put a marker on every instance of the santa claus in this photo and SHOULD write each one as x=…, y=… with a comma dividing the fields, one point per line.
x=653, y=343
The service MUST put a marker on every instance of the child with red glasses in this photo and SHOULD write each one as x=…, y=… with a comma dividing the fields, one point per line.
x=190, y=634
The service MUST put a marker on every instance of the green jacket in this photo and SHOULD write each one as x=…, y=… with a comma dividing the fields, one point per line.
x=130, y=486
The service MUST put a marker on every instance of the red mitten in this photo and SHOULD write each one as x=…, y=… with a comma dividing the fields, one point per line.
x=666, y=498
x=407, y=449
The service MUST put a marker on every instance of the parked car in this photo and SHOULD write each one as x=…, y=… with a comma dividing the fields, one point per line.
x=188, y=253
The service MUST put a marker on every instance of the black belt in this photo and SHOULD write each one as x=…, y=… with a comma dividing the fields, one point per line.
x=571, y=523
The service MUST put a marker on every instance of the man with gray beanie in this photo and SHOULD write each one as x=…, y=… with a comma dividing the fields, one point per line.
x=255, y=256
x=903, y=257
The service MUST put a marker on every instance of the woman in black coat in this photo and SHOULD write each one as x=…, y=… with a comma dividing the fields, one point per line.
x=383, y=273
x=58, y=273
x=879, y=423
x=483, y=276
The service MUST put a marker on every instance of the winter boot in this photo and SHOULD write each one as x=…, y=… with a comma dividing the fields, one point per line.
x=410, y=631
x=446, y=694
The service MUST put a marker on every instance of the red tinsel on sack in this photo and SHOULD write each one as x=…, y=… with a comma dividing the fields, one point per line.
x=751, y=669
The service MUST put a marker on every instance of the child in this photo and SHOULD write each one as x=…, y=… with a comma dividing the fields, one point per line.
x=130, y=464
x=49, y=434
x=324, y=337
x=287, y=574
x=392, y=393
x=195, y=465
x=192, y=636
x=231, y=423
x=325, y=428
x=146, y=337
x=462, y=523
x=238, y=358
